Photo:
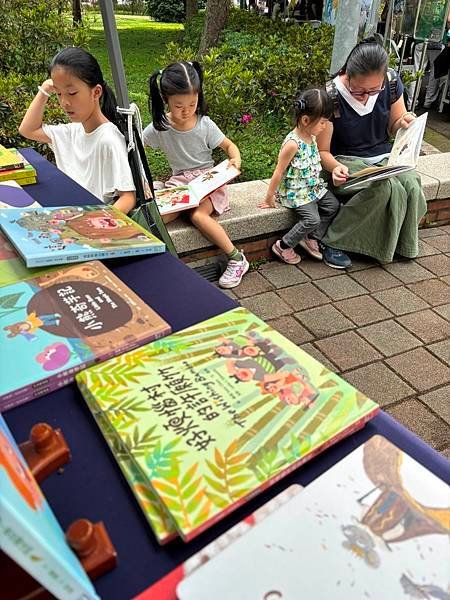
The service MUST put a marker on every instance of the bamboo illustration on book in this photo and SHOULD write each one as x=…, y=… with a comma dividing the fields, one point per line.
x=273, y=404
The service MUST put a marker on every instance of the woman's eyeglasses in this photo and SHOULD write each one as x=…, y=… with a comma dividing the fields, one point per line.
x=365, y=92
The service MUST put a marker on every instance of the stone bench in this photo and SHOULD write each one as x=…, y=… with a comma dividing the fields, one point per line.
x=255, y=230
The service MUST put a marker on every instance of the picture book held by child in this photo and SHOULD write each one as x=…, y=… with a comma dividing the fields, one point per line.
x=185, y=197
x=403, y=157
x=187, y=136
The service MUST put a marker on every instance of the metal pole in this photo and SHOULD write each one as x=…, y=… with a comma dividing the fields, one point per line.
x=404, y=37
x=345, y=32
x=114, y=52
x=388, y=26
x=418, y=82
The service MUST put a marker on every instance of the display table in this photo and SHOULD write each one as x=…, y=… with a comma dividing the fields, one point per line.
x=92, y=485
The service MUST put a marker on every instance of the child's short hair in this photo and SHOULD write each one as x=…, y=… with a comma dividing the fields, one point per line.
x=177, y=78
x=314, y=103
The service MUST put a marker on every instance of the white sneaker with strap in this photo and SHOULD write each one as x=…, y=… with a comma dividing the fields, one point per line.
x=235, y=271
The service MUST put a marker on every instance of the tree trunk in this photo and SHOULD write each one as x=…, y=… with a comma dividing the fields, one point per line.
x=76, y=12
x=216, y=17
x=191, y=9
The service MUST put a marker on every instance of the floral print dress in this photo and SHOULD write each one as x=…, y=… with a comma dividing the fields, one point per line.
x=301, y=183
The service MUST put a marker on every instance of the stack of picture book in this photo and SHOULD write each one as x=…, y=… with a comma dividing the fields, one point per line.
x=67, y=234
x=30, y=534
x=375, y=525
x=60, y=321
x=204, y=419
x=14, y=166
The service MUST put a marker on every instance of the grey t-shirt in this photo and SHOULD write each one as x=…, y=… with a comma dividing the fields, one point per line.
x=186, y=149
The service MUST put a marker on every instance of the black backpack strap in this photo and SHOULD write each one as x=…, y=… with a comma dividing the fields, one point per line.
x=392, y=78
x=331, y=90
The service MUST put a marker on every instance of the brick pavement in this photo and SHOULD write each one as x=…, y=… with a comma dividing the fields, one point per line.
x=384, y=328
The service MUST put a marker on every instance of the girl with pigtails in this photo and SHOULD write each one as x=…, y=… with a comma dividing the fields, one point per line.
x=90, y=149
x=296, y=183
x=181, y=129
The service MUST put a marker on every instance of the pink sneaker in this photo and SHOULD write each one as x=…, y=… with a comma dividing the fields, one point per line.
x=289, y=255
x=311, y=246
x=235, y=271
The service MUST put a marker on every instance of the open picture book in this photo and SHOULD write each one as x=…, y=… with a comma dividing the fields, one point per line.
x=403, y=157
x=184, y=197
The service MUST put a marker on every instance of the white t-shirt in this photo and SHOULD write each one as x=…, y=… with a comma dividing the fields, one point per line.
x=98, y=160
x=186, y=150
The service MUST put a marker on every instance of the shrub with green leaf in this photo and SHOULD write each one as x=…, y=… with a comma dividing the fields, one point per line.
x=31, y=33
x=170, y=11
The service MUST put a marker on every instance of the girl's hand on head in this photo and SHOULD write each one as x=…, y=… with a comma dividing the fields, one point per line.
x=234, y=162
x=48, y=87
x=339, y=175
x=268, y=202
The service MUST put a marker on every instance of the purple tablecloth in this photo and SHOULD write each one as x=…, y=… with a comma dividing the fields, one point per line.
x=92, y=485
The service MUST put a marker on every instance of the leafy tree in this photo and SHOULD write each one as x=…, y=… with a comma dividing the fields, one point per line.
x=216, y=16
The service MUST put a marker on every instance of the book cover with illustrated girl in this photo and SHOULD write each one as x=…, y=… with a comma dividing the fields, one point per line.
x=62, y=321
x=184, y=197
x=12, y=195
x=217, y=412
x=29, y=532
x=66, y=234
x=165, y=588
x=376, y=525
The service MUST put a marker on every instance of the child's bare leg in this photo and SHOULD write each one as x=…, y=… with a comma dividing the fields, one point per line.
x=170, y=217
x=209, y=227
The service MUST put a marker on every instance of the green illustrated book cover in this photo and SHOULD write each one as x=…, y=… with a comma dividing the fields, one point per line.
x=216, y=413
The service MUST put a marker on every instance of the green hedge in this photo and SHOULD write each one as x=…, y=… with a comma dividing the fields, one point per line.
x=31, y=33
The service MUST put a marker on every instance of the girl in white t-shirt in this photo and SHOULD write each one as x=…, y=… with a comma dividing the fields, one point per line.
x=90, y=149
x=187, y=137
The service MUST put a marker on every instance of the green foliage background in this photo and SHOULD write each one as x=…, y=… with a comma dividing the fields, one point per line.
x=31, y=32
x=171, y=11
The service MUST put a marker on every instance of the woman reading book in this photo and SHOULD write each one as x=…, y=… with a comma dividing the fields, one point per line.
x=90, y=149
x=381, y=219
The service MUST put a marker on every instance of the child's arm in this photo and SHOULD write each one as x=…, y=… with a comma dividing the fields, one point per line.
x=339, y=172
x=233, y=153
x=31, y=126
x=285, y=156
x=125, y=202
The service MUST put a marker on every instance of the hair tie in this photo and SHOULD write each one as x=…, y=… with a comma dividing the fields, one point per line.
x=160, y=72
x=189, y=62
x=300, y=104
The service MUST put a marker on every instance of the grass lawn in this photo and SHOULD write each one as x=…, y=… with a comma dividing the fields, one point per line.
x=142, y=43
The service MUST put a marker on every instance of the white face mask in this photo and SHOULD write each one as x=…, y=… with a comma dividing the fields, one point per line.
x=359, y=107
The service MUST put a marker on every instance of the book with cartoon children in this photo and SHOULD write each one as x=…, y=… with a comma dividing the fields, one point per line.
x=30, y=534
x=57, y=323
x=215, y=413
x=185, y=197
x=403, y=157
x=67, y=234
x=375, y=525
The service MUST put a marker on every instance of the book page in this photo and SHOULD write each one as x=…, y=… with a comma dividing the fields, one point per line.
x=406, y=148
x=212, y=179
x=174, y=199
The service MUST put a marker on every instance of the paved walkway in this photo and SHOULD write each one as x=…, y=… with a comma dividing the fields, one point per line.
x=385, y=329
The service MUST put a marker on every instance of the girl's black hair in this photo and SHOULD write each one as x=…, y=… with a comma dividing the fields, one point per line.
x=368, y=56
x=85, y=66
x=314, y=103
x=177, y=78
